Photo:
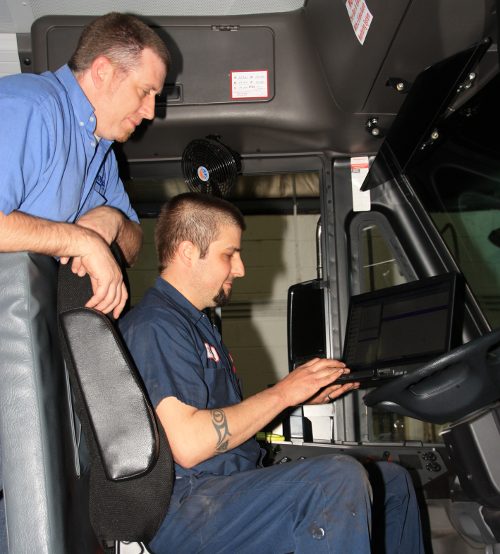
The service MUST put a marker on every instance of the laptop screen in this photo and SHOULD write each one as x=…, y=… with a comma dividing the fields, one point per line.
x=405, y=324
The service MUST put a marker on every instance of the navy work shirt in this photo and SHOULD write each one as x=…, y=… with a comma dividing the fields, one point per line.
x=180, y=353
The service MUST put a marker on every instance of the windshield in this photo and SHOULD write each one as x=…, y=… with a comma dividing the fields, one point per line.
x=459, y=185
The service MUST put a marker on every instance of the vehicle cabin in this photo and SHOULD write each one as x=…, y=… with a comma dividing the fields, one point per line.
x=360, y=141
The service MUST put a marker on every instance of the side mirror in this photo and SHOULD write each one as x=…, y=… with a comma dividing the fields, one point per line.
x=306, y=322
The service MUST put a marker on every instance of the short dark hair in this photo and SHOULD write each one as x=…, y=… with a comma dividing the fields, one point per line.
x=195, y=217
x=121, y=38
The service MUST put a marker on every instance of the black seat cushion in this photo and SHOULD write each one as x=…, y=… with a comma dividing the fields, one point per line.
x=131, y=467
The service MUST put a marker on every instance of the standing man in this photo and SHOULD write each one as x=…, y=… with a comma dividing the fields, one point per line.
x=60, y=193
x=57, y=168
x=223, y=500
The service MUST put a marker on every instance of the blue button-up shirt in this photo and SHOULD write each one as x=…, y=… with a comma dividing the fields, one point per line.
x=180, y=353
x=51, y=164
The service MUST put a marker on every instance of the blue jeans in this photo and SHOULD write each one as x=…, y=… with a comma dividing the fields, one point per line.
x=319, y=505
x=396, y=527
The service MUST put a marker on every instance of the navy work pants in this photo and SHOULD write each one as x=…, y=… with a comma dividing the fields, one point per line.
x=318, y=505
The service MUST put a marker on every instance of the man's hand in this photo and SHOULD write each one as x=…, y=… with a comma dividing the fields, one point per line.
x=332, y=392
x=104, y=221
x=110, y=292
x=314, y=382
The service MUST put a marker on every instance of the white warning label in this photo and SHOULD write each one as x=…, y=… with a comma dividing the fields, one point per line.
x=249, y=84
x=361, y=200
x=361, y=18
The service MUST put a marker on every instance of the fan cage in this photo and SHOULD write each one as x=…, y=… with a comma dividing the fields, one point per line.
x=210, y=167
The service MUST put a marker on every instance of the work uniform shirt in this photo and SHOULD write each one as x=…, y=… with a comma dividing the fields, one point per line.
x=180, y=353
x=51, y=164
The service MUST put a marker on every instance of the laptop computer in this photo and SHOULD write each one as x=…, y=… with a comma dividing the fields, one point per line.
x=395, y=330
x=389, y=331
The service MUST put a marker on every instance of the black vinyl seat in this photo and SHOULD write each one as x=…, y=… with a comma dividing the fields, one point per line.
x=131, y=466
x=64, y=490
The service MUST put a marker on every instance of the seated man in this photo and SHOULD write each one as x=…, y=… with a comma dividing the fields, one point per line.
x=223, y=499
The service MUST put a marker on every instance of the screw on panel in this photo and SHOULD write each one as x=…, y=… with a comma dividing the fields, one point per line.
x=372, y=127
x=398, y=84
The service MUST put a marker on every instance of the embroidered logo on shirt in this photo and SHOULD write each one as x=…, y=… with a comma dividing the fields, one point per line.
x=100, y=184
x=212, y=352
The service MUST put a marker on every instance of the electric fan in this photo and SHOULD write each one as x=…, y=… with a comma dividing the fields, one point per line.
x=210, y=167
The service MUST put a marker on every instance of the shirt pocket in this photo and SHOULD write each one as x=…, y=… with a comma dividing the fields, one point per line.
x=221, y=388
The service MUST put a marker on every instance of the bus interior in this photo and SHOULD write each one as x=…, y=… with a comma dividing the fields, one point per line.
x=363, y=143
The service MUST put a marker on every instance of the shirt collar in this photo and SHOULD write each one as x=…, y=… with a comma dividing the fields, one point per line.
x=84, y=111
x=184, y=305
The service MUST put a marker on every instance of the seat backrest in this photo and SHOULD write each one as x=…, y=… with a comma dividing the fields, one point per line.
x=45, y=491
x=131, y=467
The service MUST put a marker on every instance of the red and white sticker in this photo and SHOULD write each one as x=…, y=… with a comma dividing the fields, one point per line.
x=249, y=84
x=361, y=200
x=361, y=18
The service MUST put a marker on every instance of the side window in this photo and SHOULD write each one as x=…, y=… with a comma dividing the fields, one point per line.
x=465, y=209
x=378, y=265
x=378, y=262
x=459, y=185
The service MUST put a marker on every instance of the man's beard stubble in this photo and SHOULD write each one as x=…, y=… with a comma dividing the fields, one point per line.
x=222, y=297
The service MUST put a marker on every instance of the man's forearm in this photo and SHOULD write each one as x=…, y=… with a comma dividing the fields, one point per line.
x=91, y=254
x=236, y=424
x=196, y=435
x=22, y=232
x=113, y=226
x=129, y=240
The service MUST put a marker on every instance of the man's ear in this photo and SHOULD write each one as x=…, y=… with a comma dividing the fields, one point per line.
x=101, y=71
x=187, y=252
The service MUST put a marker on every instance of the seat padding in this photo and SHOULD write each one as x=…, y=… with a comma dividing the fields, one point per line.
x=131, y=466
x=120, y=415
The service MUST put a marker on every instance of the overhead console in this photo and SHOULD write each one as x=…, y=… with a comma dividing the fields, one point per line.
x=284, y=83
x=222, y=81
x=237, y=64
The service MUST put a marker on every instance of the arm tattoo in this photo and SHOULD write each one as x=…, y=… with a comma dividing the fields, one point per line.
x=219, y=422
